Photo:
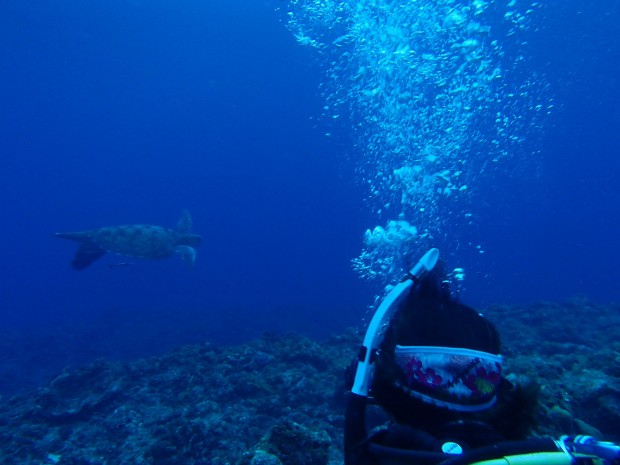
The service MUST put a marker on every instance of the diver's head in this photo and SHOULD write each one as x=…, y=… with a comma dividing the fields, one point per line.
x=438, y=357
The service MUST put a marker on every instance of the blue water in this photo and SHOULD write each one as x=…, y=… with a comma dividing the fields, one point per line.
x=120, y=112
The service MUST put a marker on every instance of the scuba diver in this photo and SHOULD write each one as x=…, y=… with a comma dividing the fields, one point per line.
x=434, y=365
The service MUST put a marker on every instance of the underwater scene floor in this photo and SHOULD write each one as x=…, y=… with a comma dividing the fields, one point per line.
x=280, y=398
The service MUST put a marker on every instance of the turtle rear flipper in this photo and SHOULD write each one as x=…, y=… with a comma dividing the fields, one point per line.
x=86, y=253
x=73, y=236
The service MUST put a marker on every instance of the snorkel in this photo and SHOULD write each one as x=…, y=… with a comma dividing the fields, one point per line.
x=355, y=423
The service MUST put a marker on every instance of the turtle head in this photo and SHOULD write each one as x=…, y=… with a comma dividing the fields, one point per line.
x=187, y=254
x=185, y=247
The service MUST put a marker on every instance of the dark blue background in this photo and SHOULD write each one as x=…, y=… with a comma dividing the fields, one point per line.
x=553, y=233
x=117, y=112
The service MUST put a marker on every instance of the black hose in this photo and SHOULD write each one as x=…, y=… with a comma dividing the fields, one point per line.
x=354, y=427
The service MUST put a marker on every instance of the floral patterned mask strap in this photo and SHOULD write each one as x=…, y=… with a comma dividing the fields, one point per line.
x=458, y=379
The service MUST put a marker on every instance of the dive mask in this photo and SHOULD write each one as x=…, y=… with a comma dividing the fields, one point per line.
x=459, y=379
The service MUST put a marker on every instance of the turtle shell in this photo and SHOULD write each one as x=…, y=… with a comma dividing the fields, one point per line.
x=138, y=240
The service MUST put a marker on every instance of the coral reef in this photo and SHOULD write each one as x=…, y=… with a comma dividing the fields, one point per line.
x=198, y=404
x=279, y=400
x=572, y=351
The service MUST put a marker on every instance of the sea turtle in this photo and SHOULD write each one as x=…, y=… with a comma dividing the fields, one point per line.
x=136, y=240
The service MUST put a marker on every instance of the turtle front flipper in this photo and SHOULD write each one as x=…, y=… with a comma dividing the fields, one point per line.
x=184, y=225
